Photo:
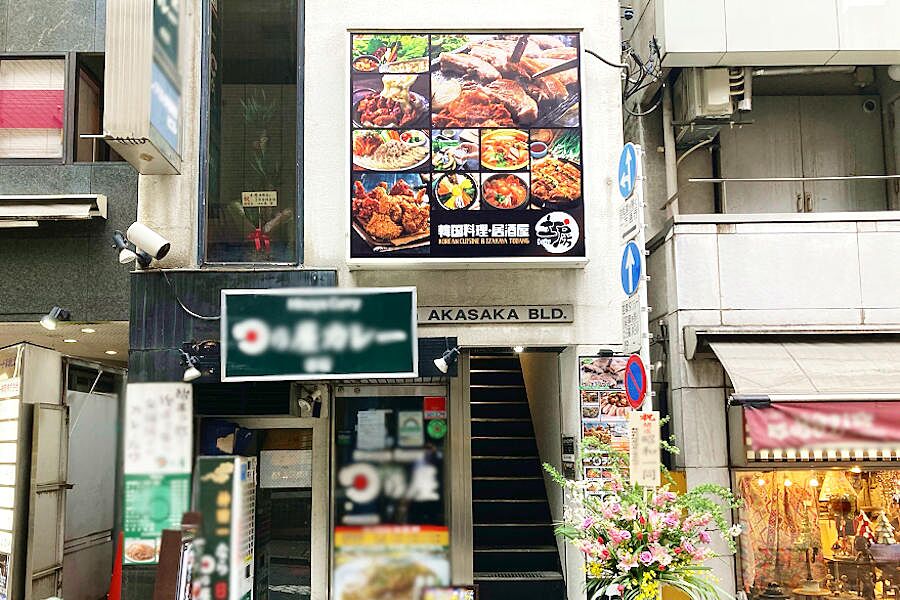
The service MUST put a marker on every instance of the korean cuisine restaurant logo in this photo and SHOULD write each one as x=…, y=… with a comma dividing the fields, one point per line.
x=557, y=232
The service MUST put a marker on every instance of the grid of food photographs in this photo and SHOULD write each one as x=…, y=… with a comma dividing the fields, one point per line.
x=465, y=145
x=604, y=413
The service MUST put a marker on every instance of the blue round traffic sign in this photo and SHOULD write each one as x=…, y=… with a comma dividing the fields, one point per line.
x=627, y=170
x=635, y=381
x=630, y=271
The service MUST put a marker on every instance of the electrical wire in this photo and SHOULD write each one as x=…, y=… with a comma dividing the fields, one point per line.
x=656, y=105
x=609, y=62
x=185, y=308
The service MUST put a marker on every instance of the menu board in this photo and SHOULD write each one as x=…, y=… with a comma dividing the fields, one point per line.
x=391, y=535
x=604, y=412
x=465, y=146
x=158, y=433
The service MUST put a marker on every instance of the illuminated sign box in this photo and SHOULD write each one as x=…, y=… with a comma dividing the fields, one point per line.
x=142, y=92
x=325, y=333
x=465, y=147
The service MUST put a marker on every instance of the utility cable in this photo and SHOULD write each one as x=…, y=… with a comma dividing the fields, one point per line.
x=185, y=308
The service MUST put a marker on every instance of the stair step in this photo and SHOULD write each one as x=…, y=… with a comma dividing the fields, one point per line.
x=495, y=362
x=504, y=487
x=520, y=549
x=502, y=427
x=502, y=500
x=496, y=377
x=501, y=393
x=512, y=537
x=486, y=466
x=517, y=575
x=506, y=478
x=523, y=589
x=512, y=524
x=504, y=446
x=500, y=410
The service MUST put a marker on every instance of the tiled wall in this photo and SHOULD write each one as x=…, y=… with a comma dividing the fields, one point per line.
x=70, y=264
x=52, y=25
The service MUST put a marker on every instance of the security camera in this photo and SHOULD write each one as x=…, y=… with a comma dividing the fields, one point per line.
x=148, y=240
x=628, y=14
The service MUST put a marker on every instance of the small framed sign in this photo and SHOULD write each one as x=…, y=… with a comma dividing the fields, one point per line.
x=453, y=592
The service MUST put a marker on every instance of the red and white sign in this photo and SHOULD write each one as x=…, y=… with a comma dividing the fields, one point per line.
x=435, y=407
x=822, y=424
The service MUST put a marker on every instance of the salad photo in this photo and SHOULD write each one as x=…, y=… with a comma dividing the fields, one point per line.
x=388, y=53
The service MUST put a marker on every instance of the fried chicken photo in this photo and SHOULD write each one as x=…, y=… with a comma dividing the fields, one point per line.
x=387, y=214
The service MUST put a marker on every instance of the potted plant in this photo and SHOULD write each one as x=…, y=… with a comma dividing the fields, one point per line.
x=636, y=540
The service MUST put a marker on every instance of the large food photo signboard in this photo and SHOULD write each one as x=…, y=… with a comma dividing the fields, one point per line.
x=465, y=146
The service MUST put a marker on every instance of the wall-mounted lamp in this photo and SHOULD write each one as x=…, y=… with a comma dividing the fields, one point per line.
x=447, y=358
x=52, y=318
x=191, y=371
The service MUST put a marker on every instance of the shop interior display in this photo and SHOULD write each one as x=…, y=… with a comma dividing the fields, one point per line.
x=820, y=534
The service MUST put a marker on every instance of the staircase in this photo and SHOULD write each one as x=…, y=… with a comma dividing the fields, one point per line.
x=515, y=549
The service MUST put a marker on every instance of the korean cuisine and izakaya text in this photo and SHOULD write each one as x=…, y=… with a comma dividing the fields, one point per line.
x=466, y=146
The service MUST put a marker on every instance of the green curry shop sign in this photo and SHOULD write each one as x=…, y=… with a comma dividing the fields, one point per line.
x=318, y=333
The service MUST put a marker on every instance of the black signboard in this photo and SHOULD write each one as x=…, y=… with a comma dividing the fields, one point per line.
x=466, y=146
x=321, y=333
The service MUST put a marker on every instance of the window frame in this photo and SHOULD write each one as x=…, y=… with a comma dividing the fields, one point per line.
x=68, y=154
x=71, y=139
x=203, y=184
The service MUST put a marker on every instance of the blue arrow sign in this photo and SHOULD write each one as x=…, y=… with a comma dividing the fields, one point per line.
x=627, y=170
x=631, y=268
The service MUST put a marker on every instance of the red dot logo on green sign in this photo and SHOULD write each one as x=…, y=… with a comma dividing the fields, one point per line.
x=437, y=428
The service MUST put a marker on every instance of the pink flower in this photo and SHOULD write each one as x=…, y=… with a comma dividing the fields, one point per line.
x=662, y=498
x=688, y=547
x=646, y=557
x=671, y=519
x=660, y=554
x=704, y=537
x=585, y=546
x=587, y=523
x=619, y=535
x=655, y=535
x=627, y=562
x=629, y=513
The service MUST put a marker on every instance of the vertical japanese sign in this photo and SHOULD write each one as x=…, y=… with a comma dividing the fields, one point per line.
x=224, y=551
x=158, y=434
x=165, y=75
x=645, y=448
x=458, y=150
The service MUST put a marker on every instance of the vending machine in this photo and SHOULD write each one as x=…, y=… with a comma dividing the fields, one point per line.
x=226, y=498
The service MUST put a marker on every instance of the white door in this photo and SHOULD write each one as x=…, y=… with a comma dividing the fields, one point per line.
x=91, y=501
x=841, y=135
x=768, y=147
x=47, y=502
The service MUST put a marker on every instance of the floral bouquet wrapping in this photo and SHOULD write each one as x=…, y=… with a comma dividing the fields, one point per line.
x=636, y=539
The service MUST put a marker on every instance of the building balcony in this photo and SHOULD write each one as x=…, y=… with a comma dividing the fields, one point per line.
x=778, y=270
x=707, y=33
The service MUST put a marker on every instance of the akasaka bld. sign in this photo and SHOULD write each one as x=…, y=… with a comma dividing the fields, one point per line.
x=558, y=313
x=283, y=334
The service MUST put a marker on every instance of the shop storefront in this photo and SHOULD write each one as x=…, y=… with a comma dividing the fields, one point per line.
x=815, y=459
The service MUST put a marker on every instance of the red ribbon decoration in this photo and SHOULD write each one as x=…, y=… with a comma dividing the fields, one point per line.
x=260, y=239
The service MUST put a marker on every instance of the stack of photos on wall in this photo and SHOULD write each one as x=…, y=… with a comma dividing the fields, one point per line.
x=465, y=146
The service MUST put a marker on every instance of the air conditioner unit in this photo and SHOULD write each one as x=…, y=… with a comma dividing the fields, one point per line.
x=702, y=94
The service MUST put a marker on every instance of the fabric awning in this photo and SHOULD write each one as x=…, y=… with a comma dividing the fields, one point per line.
x=794, y=366
x=26, y=209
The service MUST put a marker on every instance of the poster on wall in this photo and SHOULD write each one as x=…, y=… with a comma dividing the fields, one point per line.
x=157, y=469
x=391, y=537
x=604, y=413
x=465, y=146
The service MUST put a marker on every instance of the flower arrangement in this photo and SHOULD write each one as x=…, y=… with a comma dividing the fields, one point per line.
x=636, y=539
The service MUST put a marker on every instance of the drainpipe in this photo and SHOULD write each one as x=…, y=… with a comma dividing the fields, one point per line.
x=671, y=205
